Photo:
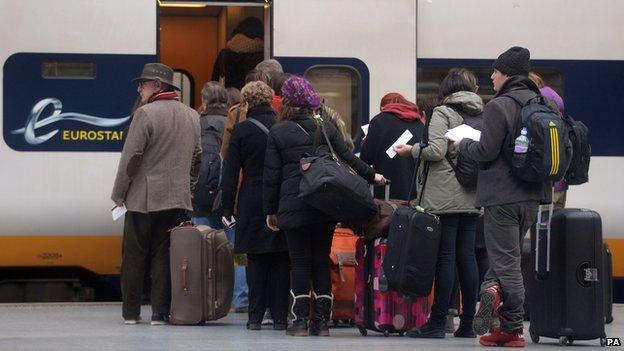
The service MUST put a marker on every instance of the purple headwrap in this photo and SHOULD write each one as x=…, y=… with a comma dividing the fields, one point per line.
x=298, y=92
x=550, y=94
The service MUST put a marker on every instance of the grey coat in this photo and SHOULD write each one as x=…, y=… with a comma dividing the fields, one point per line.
x=160, y=161
x=496, y=185
x=442, y=192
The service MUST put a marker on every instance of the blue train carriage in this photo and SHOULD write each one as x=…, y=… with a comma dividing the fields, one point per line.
x=66, y=98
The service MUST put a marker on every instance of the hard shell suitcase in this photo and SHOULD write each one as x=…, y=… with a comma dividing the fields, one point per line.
x=343, y=265
x=378, y=308
x=202, y=274
x=413, y=243
x=607, y=282
x=566, y=295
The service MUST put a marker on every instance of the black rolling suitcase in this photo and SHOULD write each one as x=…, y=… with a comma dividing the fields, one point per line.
x=413, y=243
x=607, y=282
x=566, y=294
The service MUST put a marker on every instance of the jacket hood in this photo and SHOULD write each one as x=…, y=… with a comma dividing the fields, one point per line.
x=468, y=102
x=242, y=44
x=515, y=83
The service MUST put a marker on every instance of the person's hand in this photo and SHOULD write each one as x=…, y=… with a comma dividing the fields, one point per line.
x=379, y=179
x=403, y=150
x=271, y=222
x=456, y=143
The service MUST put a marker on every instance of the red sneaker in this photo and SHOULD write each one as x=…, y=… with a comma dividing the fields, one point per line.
x=506, y=339
x=490, y=300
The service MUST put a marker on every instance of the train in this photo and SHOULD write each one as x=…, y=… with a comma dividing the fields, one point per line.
x=66, y=98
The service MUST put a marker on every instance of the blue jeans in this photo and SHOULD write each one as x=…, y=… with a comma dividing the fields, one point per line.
x=240, y=297
x=241, y=292
x=457, y=249
x=212, y=221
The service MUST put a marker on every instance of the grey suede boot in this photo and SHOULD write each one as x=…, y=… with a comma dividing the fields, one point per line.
x=301, y=313
x=319, y=326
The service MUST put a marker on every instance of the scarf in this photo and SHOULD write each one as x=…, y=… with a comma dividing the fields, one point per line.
x=167, y=95
x=403, y=111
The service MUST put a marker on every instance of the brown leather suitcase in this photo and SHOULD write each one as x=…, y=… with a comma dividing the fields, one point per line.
x=202, y=274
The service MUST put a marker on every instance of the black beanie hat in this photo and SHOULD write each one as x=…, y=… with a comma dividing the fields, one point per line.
x=514, y=61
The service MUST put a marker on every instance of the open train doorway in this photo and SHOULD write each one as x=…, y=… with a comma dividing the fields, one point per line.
x=212, y=40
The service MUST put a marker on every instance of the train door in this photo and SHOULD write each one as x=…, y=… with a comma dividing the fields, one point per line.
x=193, y=33
x=354, y=52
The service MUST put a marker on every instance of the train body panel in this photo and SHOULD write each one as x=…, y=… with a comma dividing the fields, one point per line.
x=55, y=209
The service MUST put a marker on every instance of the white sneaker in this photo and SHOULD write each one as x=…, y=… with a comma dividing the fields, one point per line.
x=267, y=319
x=131, y=321
x=158, y=323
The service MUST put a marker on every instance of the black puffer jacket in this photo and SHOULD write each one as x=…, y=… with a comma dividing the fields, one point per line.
x=246, y=152
x=285, y=146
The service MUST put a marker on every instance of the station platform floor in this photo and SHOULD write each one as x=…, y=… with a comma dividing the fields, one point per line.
x=98, y=326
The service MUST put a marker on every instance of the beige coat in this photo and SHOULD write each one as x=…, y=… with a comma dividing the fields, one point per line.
x=161, y=158
x=443, y=193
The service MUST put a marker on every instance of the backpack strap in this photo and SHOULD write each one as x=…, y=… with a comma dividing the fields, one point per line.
x=259, y=125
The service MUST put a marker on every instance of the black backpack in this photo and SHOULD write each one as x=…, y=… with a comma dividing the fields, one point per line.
x=550, y=150
x=578, y=172
x=209, y=181
x=466, y=169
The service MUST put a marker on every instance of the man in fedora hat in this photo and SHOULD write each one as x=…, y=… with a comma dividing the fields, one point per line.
x=157, y=171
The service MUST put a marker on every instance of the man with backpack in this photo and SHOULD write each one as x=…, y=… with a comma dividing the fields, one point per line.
x=510, y=203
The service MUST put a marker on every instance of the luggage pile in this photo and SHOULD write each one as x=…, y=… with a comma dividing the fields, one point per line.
x=395, y=269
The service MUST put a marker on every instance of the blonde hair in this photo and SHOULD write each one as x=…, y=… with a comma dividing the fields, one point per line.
x=257, y=93
x=537, y=79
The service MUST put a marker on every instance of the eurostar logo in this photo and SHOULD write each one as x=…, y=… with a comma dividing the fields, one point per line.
x=34, y=122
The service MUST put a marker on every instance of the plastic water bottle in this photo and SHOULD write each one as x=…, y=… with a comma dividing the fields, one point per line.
x=521, y=147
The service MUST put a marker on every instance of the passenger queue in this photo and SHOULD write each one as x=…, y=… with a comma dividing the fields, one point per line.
x=247, y=152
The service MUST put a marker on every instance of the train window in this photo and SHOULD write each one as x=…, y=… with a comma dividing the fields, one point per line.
x=68, y=70
x=184, y=80
x=429, y=79
x=341, y=87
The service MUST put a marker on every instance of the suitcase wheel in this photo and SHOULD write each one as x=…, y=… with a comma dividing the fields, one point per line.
x=401, y=333
x=535, y=338
x=603, y=342
x=363, y=331
x=565, y=341
x=609, y=319
x=386, y=333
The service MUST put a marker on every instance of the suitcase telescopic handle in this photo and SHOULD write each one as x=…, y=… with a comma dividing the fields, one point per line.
x=386, y=189
x=539, y=227
x=185, y=288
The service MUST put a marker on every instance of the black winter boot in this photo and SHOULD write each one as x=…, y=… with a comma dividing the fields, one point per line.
x=319, y=326
x=301, y=313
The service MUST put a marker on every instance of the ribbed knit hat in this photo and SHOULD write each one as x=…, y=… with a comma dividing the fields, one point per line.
x=298, y=92
x=513, y=62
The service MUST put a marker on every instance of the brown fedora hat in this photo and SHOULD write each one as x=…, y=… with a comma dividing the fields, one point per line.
x=157, y=71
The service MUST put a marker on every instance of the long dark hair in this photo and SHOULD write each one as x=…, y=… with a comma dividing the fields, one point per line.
x=457, y=79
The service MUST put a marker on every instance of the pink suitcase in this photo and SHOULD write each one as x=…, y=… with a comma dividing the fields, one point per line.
x=382, y=311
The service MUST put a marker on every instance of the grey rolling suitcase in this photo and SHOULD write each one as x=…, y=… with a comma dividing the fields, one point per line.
x=566, y=295
x=202, y=274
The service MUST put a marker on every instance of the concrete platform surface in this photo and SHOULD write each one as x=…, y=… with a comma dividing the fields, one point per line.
x=98, y=326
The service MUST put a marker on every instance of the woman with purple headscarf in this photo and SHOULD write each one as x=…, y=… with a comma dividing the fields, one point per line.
x=549, y=93
x=308, y=231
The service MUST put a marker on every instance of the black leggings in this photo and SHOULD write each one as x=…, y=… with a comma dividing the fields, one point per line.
x=309, y=249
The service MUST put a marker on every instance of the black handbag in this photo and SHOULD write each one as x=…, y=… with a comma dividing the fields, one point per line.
x=333, y=187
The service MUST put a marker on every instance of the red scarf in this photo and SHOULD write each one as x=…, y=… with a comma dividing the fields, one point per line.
x=403, y=111
x=167, y=95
